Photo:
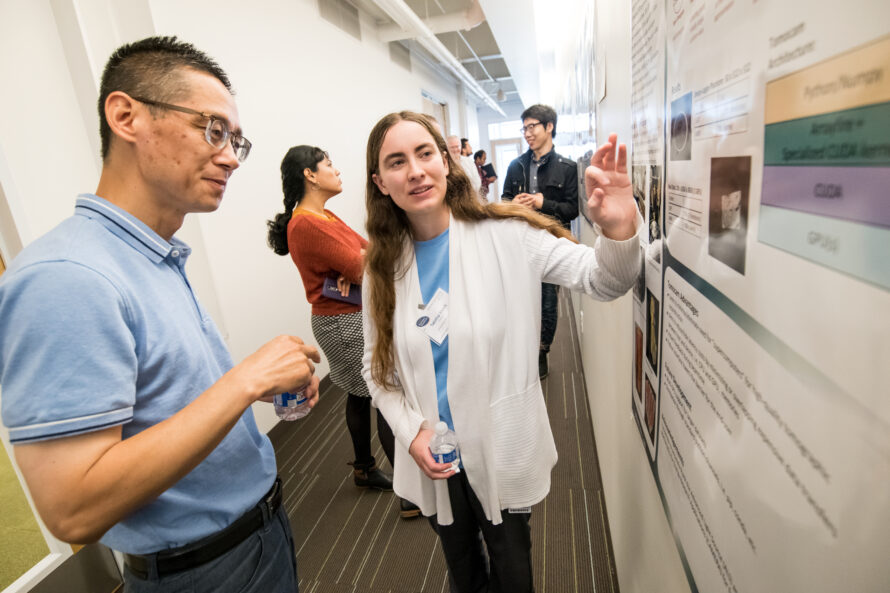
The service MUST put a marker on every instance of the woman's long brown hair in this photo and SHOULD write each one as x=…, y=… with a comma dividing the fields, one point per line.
x=389, y=231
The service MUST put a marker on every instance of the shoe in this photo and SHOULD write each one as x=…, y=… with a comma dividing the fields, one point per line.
x=368, y=476
x=407, y=509
x=543, y=369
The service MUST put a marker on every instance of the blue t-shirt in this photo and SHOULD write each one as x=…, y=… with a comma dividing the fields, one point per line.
x=432, y=269
x=99, y=327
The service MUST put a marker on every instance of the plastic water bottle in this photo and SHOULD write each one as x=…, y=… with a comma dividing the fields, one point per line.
x=444, y=447
x=291, y=406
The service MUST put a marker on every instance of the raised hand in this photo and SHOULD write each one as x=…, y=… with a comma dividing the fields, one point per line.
x=610, y=201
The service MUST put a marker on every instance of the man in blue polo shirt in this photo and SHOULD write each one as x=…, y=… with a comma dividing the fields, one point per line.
x=128, y=418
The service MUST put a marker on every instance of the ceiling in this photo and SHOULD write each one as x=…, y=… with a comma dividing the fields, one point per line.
x=475, y=48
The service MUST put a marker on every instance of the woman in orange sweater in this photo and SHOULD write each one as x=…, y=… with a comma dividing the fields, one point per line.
x=324, y=247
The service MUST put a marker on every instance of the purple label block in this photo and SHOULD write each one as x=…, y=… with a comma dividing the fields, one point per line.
x=858, y=194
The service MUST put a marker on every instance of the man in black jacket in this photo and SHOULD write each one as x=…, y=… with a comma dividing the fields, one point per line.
x=542, y=179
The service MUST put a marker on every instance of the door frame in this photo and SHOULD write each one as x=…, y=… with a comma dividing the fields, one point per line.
x=501, y=144
x=11, y=240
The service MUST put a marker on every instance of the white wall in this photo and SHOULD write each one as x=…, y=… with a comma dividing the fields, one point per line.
x=472, y=125
x=43, y=138
x=298, y=80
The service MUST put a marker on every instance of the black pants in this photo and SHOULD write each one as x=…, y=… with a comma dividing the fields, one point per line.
x=549, y=314
x=358, y=420
x=509, y=546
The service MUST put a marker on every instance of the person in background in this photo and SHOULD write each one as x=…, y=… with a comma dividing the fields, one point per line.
x=465, y=148
x=323, y=247
x=486, y=173
x=128, y=419
x=469, y=167
x=438, y=347
x=544, y=181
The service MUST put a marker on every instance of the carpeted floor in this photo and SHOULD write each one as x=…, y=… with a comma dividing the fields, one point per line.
x=21, y=543
x=352, y=540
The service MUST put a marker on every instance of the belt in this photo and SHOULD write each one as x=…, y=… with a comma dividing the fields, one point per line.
x=208, y=548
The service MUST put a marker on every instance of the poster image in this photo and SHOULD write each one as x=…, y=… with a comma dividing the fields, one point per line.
x=583, y=163
x=652, y=313
x=655, y=179
x=681, y=128
x=638, y=174
x=638, y=361
x=728, y=213
x=640, y=284
x=650, y=412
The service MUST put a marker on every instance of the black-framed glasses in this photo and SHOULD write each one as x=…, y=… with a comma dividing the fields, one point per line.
x=530, y=127
x=216, y=132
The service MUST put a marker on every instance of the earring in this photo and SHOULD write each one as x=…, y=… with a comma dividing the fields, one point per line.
x=315, y=186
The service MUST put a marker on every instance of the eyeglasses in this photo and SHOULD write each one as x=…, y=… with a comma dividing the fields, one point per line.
x=217, y=131
x=529, y=127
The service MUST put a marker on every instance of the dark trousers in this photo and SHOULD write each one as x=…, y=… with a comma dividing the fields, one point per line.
x=263, y=563
x=358, y=420
x=509, y=546
x=549, y=314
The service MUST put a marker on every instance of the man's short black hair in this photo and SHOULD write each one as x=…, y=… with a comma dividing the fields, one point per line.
x=478, y=154
x=463, y=143
x=544, y=114
x=151, y=68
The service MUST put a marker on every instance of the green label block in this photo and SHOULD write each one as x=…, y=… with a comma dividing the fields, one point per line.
x=850, y=138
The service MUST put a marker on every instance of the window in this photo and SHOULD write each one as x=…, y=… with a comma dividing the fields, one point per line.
x=504, y=129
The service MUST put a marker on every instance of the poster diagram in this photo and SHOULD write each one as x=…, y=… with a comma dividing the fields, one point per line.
x=761, y=316
x=827, y=163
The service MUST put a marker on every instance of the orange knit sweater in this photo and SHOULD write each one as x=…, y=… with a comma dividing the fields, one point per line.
x=324, y=247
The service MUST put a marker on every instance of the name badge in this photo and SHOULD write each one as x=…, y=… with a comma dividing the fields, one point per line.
x=433, y=320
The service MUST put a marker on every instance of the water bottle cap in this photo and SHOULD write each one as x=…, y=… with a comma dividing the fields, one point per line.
x=441, y=427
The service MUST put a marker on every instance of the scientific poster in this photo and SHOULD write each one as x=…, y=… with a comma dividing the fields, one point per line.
x=771, y=417
x=647, y=176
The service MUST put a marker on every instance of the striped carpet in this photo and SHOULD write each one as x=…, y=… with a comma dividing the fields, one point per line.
x=352, y=541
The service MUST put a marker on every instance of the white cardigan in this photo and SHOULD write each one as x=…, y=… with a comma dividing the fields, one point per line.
x=495, y=272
